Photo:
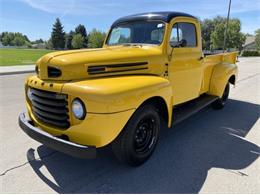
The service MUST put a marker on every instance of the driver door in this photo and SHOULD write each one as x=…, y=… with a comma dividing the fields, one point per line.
x=185, y=66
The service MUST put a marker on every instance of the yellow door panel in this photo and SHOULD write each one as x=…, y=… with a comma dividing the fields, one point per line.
x=185, y=66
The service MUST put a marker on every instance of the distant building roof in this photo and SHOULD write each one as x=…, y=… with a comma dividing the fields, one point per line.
x=249, y=40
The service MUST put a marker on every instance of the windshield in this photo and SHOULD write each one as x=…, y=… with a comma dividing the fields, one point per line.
x=139, y=32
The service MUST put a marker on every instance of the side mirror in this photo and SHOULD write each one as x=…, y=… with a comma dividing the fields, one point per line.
x=181, y=43
x=173, y=44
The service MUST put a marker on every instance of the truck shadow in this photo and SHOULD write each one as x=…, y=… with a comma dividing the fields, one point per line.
x=185, y=153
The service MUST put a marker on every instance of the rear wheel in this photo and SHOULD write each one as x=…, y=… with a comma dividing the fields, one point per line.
x=137, y=141
x=221, y=102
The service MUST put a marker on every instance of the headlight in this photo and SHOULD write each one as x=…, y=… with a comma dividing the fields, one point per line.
x=78, y=109
x=29, y=94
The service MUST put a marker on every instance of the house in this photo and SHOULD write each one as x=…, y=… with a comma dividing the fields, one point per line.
x=250, y=44
x=39, y=46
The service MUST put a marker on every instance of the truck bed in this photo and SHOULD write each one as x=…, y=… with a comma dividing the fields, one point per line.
x=216, y=58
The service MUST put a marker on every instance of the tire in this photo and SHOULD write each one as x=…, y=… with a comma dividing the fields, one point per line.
x=221, y=102
x=136, y=143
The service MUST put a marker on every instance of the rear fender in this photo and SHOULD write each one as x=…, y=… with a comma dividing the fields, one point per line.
x=220, y=77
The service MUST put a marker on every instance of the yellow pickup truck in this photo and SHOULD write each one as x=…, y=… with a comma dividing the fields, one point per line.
x=151, y=69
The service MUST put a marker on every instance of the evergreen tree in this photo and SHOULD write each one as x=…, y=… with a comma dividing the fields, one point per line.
x=69, y=38
x=58, y=35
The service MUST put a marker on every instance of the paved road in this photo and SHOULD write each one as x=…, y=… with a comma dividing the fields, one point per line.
x=211, y=152
x=18, y=69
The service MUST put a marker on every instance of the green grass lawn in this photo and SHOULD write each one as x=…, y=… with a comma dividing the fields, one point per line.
x=20, y=56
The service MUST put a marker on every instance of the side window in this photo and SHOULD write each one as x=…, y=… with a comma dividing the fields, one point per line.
x=183, y=35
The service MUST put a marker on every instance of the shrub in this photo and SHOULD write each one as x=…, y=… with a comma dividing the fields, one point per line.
x=250, y=53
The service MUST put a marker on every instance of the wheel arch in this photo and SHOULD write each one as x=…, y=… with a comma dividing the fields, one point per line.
x=232, y=79
x=161, y=107
x=221, y=75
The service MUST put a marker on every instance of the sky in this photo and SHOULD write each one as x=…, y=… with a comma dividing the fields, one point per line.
x=35, y=18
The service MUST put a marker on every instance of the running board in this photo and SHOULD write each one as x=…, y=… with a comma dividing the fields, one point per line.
x=186, y=110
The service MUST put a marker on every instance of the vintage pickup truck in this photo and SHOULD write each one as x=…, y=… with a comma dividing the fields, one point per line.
x=151, y=69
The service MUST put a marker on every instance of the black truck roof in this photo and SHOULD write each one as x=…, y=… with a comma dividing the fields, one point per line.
x=164, y=16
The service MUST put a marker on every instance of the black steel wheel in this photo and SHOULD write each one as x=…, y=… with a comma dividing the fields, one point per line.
x=137, y=141
x=221, y=102
x=144, y=135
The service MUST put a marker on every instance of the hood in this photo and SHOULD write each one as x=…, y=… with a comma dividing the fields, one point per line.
x=110, y=61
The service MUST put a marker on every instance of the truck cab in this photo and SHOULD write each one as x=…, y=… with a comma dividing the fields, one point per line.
x=150, y=67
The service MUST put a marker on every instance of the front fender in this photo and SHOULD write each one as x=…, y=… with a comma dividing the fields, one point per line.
x=117, y=94
x=110, y=103
x=220, y=77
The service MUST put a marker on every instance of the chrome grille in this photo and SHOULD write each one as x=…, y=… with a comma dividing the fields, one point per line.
x=50, y=107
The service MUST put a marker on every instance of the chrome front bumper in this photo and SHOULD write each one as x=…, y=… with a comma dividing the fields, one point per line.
x=61, y=145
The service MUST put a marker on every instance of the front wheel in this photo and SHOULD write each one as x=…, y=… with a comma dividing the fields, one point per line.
x=137, y=141
x=221, y=102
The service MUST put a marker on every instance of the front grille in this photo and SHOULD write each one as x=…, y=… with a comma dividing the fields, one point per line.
x=50, y=107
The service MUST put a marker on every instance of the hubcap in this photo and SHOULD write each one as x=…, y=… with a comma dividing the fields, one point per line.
x=144, y=135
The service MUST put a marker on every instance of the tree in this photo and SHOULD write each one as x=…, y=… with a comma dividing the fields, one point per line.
x=213, y=33
x=257, y=39
x=207, y=27
x=80, y=29
x=6, y=39
x=235, y=38
x=58, y=35
x=37, y=41
x=69, y=38
x=14, y=39
x=49, y=44
x=77, y=41
x=18, y=41
x=26, y=38
x=28, y=44
x=96, y=38
x=3, y=34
